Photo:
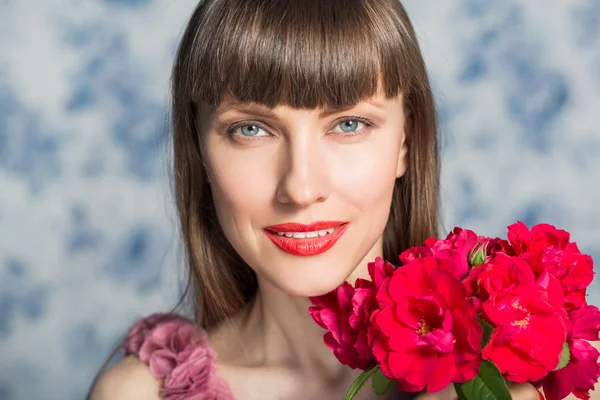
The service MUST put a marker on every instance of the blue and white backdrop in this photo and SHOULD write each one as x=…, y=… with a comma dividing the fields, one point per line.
x=87, y=233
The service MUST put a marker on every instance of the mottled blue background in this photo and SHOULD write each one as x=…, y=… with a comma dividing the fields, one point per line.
x=87, y=240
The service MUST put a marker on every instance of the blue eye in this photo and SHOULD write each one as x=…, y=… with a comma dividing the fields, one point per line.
x=350, y=126
x=250, y=132
x=247, y=130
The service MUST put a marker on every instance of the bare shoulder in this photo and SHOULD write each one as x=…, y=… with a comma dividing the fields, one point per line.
x=128, y=379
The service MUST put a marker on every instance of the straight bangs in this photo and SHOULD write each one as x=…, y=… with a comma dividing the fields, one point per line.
x=302, y=54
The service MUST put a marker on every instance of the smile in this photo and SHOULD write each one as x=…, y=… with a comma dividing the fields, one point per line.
x=304, y=235
x=306, y=240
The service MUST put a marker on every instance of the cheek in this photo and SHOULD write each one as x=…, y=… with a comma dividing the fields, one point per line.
x=242, y=184
x=366, y=177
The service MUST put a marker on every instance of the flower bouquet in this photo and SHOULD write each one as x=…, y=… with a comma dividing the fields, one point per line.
x=478, y=312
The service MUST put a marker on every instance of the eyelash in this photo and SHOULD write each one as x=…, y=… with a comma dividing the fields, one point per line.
x=231, y=130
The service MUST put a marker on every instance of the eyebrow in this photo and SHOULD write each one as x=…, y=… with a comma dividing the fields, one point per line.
x=266, y=113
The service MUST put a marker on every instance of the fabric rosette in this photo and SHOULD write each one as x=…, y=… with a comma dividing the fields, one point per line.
x=179, y=356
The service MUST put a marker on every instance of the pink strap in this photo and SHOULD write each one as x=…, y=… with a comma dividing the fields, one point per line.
x=179, y=356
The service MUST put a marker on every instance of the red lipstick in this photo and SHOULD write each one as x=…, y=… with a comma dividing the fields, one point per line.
x=306, y=246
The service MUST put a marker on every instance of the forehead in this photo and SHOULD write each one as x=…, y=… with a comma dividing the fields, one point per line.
x=377, y=102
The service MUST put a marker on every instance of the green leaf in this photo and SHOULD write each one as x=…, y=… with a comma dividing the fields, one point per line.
x=359, y=382
x=459, y=391
x=565, y=357
x=381, y=384
x=489, y=384
x=487, y=332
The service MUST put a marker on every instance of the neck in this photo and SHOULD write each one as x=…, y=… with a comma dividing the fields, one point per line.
x=280, y=332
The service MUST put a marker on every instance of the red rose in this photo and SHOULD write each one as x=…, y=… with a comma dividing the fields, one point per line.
x=345, y=313
x=549, y=249
x=583, y=370
x=503, y=273
x=539, y=238
x=416, y=252
x=573, y=269
x=379, y=270
x=471, y=281
x=426, y=334
x=457, y=248
x=530, y=324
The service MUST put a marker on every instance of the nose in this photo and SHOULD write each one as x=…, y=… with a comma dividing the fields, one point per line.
x=304, y=175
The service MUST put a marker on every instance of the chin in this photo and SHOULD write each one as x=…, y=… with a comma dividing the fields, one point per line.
x=307, y=281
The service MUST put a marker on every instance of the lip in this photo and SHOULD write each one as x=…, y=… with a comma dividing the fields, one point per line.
x=308, y=246
x=298, y=227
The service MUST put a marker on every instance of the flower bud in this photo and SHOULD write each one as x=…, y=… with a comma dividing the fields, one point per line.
x=478, y=254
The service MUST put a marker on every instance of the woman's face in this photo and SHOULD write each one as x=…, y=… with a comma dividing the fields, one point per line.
x=303, y=195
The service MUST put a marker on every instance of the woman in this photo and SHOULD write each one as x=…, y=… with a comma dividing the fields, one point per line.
x=305, y=145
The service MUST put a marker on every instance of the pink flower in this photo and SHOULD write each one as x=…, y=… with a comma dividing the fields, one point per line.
x=345, y=312
x=549, y=249
x=583, y=370
x=426, y=334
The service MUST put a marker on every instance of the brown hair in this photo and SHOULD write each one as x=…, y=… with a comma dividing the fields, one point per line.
x=303, y=54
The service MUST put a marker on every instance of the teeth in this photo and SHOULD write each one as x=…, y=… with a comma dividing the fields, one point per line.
x=304, y=235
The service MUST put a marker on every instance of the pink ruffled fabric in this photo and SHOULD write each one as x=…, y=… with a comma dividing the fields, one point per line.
x=179, y=356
